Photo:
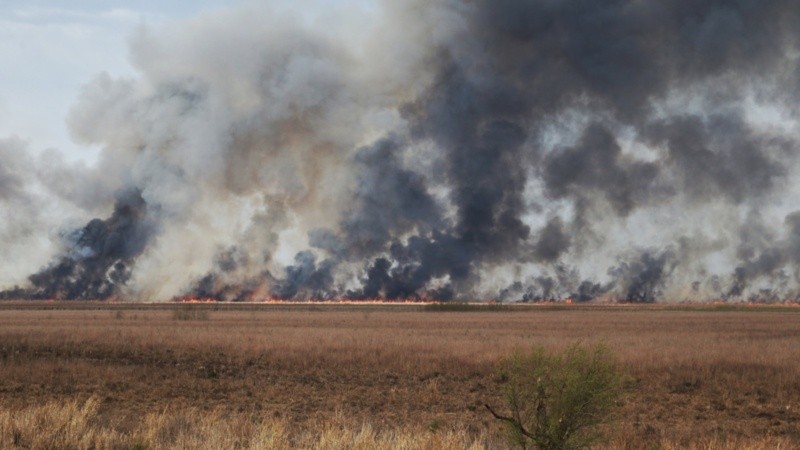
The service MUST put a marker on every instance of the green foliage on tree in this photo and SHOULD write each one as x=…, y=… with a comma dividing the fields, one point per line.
x=557, y=400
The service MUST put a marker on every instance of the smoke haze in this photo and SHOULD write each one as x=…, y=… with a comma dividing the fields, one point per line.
x=494, y=149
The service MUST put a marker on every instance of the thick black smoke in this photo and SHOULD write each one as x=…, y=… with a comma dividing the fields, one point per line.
x=523, y=62
x=305, y=279
x=520, y=150
x=596, y=167
x=642, y=280
x=100, y=257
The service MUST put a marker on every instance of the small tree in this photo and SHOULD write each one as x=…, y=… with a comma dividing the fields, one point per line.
x=557, y=400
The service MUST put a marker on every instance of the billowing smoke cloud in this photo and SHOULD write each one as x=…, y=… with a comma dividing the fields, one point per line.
x=20, y=219
x=98, y=261
x=632, y=151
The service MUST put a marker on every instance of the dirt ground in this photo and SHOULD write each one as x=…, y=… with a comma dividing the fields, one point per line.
x=694, y=372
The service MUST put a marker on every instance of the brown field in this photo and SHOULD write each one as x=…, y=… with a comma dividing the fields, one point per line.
x=242, y=376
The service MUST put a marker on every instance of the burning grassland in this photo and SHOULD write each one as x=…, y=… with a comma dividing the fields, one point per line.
x=417, y=150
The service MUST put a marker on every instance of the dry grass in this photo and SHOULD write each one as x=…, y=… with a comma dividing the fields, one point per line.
x=76, y=425
x=701, y=379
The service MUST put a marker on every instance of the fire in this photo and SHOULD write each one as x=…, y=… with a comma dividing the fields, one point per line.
x=196, y=300
x=343, y=301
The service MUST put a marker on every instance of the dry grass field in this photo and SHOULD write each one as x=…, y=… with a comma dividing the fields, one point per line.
x=341, y=376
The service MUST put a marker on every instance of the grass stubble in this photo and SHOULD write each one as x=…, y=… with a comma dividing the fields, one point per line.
x=131, y=376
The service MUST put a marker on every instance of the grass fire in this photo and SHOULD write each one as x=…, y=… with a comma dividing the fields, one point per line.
x=424, y=224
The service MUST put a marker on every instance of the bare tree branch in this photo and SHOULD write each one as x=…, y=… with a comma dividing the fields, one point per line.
x=514, y=422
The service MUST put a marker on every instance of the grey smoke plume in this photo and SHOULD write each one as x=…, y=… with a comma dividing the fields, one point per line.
x=98, y=262
x=630, y=151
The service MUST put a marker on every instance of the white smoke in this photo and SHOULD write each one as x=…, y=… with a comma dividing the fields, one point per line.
x=446, y=149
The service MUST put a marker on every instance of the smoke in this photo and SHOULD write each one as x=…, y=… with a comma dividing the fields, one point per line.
x=596, y=167
x=305, y=279
x=630, y=151
x=19, y=217
x=98, y=260
x=33, y=217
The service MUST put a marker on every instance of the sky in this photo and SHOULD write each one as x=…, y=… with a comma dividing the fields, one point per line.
x=50, y=49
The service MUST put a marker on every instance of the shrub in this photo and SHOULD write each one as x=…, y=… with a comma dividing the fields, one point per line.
x=557, y=400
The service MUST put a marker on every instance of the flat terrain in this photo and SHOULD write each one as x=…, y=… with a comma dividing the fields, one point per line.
x=697, y=374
